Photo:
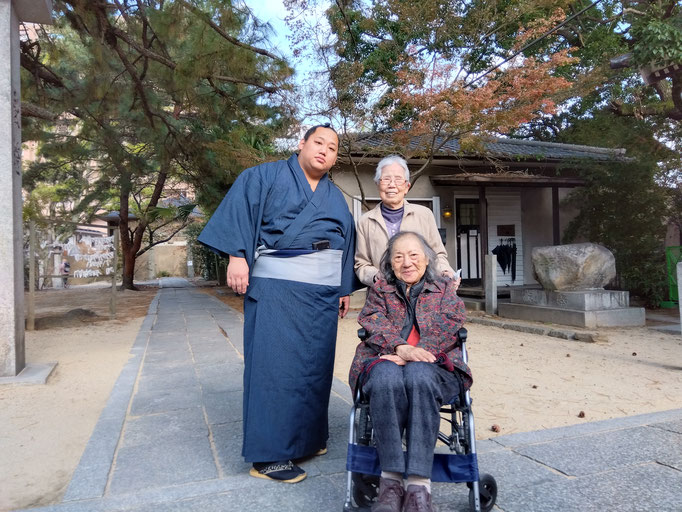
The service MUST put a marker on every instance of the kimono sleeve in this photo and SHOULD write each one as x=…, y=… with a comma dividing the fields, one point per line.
x=233, y=228
x=364, y=268
x=349, y=281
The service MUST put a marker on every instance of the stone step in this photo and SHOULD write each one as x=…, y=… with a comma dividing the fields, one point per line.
x=623, y=317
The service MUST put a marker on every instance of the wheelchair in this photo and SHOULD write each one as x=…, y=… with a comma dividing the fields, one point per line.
x=458, y=466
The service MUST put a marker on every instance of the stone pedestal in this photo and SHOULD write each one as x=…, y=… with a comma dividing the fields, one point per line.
x=586, y=308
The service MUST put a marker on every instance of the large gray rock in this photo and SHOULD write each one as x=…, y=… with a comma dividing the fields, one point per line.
x=573, y=267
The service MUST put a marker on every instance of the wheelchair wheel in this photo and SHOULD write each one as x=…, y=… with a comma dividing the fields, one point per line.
x=487, y=491
x=365, y=489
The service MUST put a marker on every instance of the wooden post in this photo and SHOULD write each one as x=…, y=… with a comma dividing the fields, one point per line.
x=483, y=229
x=112, y=301
x=31, y=319
x=556, y=234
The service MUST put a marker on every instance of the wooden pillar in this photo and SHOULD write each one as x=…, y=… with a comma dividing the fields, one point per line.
x=556, y=230
x=483, y=229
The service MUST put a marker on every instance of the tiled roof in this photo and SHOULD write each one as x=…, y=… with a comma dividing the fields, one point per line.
x=505, y=148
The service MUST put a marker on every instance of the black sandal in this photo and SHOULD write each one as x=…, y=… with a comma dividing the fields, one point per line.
x=283, y=471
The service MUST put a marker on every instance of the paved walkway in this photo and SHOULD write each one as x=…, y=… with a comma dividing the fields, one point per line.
x=169, y=439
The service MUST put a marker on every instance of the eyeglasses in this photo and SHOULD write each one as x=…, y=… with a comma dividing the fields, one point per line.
x=398, y=180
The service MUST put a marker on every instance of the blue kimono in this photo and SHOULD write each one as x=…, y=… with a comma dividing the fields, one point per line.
x=289, y=326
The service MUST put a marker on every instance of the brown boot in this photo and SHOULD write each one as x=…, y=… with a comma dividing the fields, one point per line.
x=418, y=499
x=391, y=494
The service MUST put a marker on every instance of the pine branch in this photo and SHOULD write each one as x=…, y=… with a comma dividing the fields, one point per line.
x=142, y=50
x=31, y=64
x=172, y=65
x=31, y=110
x=200, y=14
x=266, y=88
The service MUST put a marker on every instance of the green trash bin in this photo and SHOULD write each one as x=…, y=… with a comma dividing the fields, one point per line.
x=673, y=255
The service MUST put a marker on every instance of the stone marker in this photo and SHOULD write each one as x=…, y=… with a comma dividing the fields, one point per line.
x=679, y=291
x=490, y=284
x=573, y=267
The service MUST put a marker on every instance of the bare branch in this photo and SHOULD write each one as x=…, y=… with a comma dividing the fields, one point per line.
x=142, y=251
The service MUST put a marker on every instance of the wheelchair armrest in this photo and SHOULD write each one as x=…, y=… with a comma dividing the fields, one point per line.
x=363, y=334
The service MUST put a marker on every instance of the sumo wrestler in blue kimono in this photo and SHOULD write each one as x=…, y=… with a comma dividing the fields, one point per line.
x=290, y=239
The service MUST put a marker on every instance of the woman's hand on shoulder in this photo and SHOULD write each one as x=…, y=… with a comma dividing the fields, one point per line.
x=410, y=353
x=455, y=281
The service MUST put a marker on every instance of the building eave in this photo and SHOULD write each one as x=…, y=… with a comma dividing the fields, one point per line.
x=505, y=180
x=33, y=11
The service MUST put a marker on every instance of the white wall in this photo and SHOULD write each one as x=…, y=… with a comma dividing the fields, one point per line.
x=504, y=208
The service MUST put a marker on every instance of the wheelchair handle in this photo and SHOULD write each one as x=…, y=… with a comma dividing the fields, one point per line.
x=461, y=334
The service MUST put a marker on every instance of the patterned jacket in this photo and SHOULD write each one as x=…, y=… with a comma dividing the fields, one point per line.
x=439, y=311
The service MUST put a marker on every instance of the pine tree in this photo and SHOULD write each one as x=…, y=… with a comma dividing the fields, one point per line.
x=143, y=94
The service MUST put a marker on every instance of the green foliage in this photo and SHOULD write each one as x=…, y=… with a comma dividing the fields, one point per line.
x=624, y=206
x=657, y=40
x=206, y=262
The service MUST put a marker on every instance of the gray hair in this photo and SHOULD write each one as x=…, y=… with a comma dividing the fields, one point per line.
x=390, y=160
x=387, y=269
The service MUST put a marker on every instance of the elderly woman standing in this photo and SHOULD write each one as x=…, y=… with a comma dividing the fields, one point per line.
x=409, y=365
x=392, y=215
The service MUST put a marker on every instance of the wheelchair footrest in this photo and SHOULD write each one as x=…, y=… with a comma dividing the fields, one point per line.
x=447, y=467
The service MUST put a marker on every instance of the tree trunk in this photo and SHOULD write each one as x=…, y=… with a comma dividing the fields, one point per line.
x=128, y=271
x=128, y=249
x=131, y=241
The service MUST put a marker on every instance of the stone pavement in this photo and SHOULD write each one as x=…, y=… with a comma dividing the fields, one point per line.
x=169, y=439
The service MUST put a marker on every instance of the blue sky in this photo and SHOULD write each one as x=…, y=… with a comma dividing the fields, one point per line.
x=273, y=12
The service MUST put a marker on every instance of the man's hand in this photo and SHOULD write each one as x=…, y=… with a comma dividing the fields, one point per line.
x=344, y=305
x=238, y=274
x=410, y=353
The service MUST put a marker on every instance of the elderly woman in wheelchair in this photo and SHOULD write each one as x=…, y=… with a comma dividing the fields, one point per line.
x=409, y=365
